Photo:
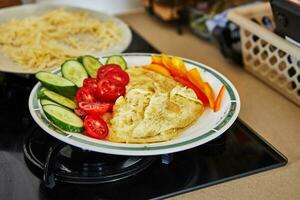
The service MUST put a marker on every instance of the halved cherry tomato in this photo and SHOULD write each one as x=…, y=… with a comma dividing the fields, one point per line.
x=79, y=112
x=85, y=94
x=95, y=127
x=109, y=91
x=111, y=106
x=90, y=83
x=201, y=96
x=118, y=76
x=94, y=108
x=102, y=71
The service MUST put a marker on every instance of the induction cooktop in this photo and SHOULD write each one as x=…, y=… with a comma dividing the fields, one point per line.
x=34, y=165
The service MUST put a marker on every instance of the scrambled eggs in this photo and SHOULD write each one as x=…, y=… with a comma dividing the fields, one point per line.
x=154, y=109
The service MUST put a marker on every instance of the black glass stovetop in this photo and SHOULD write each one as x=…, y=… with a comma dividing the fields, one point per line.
x=237, y=153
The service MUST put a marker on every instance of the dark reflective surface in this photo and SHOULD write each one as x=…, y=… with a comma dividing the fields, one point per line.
x=237, y=153
x=60, y=162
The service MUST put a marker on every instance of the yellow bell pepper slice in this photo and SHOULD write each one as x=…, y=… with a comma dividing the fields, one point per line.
x=179, y=66
x=167, y=62
x=159, y=69
x=156, y=60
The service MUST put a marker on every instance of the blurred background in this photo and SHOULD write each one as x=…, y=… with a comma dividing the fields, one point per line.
x=164, y=8
x=205, y=18
x=111, y=6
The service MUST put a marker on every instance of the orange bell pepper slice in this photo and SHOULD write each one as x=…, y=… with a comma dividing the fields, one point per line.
x=190, y=78
x=210, y=94
x=156, y=60
x=159, y=69
x=194, y=76
x=175, y=65
x=200, y=95
x=219, y=99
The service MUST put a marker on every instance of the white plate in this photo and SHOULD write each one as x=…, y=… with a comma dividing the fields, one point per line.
x=19, y=12
x=209, y=125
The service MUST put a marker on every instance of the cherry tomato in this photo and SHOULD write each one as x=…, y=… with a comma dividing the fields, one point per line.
x=111, y=106
x=101, y=73
x=79, y=112
x=118, y=76
x=95, y=127
x=94, y=108
x=90, y=83
x=85, y=94
x=109, y=91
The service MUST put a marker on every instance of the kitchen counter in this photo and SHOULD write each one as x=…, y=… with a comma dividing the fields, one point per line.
x=270, y=114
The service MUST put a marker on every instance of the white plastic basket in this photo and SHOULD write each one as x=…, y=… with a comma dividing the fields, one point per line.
x=265, y=54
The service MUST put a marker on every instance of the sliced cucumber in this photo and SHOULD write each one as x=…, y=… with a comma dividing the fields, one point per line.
x=47, y=102
x=57, y=83
x=74, y=71
x=79, y=59
x=63, y=118
x=116, y=59
x=40, y=93
x=91, y=64
x=57, y=98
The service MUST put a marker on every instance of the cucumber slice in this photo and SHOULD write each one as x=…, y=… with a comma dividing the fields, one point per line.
x=57, y=84
x=115, y=59
x=79, y=59
x=40, y=93
x=63, y=118
x=57, y=98
x=91, y=64
x=74, y=71
x=47, y=102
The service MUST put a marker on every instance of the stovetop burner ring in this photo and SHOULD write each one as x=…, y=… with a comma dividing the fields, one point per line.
x=64, y=163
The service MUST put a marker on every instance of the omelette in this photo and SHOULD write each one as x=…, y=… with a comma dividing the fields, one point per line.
x=154, y=109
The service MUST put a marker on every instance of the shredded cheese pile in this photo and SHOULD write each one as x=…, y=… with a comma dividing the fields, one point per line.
x=41, y=42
